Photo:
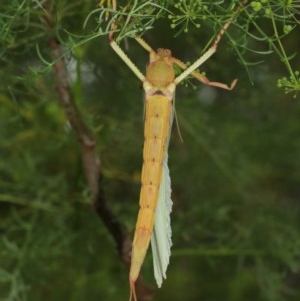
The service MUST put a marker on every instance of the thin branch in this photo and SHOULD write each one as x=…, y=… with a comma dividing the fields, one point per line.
x=87, y=142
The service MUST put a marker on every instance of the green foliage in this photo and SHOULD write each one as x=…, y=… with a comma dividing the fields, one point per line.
x=235, y=179
x=272, y=20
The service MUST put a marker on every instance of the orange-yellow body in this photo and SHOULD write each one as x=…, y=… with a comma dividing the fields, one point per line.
x=159, y=86
x=159, y=93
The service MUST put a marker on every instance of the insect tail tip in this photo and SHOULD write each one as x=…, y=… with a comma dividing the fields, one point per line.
x=132, y=290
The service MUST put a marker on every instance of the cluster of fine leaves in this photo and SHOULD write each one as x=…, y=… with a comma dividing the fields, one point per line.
x=267, y=22
x=235, y=179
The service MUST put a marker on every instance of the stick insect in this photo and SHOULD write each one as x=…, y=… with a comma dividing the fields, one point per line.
x=159, y=85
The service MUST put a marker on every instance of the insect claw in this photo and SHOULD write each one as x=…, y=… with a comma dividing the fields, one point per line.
x=233, y=84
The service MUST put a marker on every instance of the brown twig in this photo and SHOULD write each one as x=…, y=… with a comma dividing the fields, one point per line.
x=90, y=159
x=87, y=142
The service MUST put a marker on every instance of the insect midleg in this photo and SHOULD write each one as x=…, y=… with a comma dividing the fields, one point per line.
x=200, y=77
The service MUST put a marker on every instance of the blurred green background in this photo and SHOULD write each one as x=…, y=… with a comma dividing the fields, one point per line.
x=235, y=178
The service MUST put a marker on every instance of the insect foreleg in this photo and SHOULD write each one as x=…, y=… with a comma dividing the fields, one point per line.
x=144, y=44
x=119, y=51
x=127, y=60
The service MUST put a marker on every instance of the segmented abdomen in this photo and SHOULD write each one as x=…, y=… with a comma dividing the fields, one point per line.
x=157, y=127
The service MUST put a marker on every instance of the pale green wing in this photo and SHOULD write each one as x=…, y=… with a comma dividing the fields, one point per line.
x=161, y=241
x=161, y=237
